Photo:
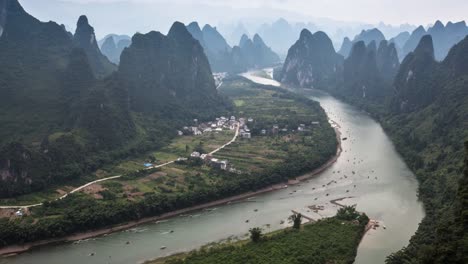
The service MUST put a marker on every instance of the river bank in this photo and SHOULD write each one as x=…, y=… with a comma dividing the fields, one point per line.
x=16, y=249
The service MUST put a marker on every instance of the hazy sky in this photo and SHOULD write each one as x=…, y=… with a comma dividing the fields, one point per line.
x=129, y=16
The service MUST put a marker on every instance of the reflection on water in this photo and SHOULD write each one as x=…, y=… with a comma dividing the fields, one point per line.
x=369, y=170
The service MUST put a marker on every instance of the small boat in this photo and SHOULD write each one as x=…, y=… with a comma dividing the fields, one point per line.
x=163, y=247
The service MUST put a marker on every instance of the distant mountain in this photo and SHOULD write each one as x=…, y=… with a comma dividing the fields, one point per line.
x=391, y=31
x=280, y=34
x=312, y=62
x=369, y=71
x=346, y=47
x=237, y=33
x=370, y=35
x=367, y=36
x=399, y=41
x=59, y=121
x=413, y=40
x=117, y=38
x=214, y=40
x=249, y=54
x=444, y=37
x=112, y=49
x=85, y=39
x=215, y=46
x=256, y=54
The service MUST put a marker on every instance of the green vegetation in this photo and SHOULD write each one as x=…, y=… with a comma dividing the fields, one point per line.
x=330, y=240
x=296, y=219
x=255, y=234
x=192, y=182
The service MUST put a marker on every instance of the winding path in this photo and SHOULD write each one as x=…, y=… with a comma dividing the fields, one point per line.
x=114, y=177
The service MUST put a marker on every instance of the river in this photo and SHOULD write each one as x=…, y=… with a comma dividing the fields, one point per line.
x=369, y=170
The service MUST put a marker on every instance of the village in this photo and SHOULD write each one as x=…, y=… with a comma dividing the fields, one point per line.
x=242, y=130
x=218, y=125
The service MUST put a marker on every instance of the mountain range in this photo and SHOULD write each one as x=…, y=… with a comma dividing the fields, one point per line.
x=250, y=53
x=66, y=110
x=367, y=36
x=444, y=37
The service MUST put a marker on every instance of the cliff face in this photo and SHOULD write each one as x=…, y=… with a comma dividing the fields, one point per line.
x=415, y=83
x=85, y=39
x=312, y=62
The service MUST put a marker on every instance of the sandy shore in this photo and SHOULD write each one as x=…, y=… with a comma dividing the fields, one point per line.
x=15, y=249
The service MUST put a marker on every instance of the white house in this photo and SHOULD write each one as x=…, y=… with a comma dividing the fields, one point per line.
x=246, y=135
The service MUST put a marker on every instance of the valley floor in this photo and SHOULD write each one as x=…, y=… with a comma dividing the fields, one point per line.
x=261, y=162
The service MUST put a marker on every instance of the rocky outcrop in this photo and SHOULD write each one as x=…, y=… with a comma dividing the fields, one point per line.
x=312, y=62
x=85, y=39
x=346, y=47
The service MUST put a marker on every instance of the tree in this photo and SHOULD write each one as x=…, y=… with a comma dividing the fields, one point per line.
x=152, y=159
x=255, y=234
x=348, y=213
x=297, y=220
x=199, y=148
x=187, y=148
